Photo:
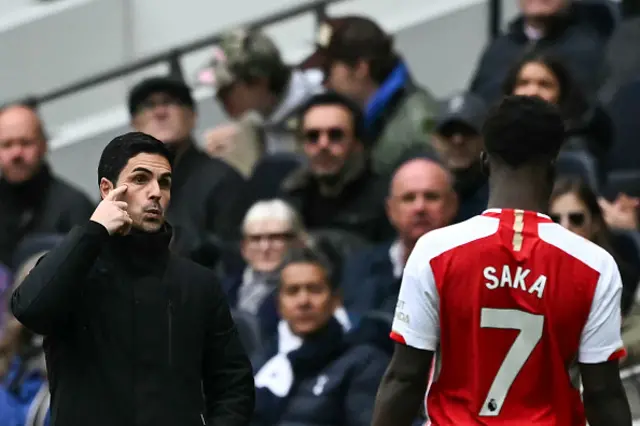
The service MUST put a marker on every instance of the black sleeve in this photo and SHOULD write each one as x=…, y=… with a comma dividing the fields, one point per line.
x=226, y=206
x=228, y=376
x=45, y=299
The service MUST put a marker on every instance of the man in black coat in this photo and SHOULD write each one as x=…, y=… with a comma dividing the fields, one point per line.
x=33, y=199
x=209, y=196
x=134, y=335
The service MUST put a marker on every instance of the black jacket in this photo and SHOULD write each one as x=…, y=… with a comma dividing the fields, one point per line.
x=44, y=204
x=334, y=382
x=208, y=198
x=358, y=209
x=134, y=335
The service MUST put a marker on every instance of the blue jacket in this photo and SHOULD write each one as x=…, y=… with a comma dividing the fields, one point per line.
x=336, y=386
x=368, y=282
x=24, y=400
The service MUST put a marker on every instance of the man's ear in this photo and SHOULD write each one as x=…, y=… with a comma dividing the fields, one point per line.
x=105, y=187
x=484, y=164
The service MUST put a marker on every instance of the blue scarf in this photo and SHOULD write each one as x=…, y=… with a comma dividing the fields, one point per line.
x=379, y=101
x=278, y=378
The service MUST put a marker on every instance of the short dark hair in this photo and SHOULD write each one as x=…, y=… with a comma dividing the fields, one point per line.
x=358, y=38
x=523, y=130
x=332, y=98
x=309, y=255
x=121, y=149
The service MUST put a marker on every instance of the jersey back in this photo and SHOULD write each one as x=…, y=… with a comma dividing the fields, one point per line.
x=511, y=295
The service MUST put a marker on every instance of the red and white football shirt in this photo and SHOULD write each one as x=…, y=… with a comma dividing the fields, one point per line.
x=510, y=301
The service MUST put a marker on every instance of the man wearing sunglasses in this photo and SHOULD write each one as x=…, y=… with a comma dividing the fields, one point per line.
x=337, y=188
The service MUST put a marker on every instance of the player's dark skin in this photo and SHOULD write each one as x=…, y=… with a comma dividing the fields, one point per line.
x=404, y=384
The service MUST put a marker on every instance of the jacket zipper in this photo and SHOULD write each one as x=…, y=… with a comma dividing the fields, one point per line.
x=170, y=319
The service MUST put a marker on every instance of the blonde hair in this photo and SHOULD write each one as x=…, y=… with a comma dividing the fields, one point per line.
x=275, y=209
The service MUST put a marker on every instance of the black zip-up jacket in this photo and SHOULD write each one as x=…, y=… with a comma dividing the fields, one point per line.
x=134, y=335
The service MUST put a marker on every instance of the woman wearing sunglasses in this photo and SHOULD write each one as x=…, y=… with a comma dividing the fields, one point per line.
x=575, y=206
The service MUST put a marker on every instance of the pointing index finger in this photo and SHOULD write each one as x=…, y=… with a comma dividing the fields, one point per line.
x=116, y=193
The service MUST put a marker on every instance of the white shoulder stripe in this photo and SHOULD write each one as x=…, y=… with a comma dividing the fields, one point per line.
x=575, y=246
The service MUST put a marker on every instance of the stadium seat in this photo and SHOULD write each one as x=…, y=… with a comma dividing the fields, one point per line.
x=249, y=331
x=625, y=182
x=580, y=164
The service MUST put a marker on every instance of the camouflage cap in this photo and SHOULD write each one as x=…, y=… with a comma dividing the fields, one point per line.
x=241, y=53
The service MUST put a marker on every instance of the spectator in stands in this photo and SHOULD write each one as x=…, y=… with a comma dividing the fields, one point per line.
x=258, y=90
x=458, y=141
x=622, y=61
x=310, y=374
x=360, y=61
x=421, y=198
x=207, y=200
x=24, y=390
x=573, y=30
x=270, y=227
x=589, y=127
x=338, y=189
x=33, y=199
x=575, y=206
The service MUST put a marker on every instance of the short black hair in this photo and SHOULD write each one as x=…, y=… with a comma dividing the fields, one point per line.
x=314, y=256
x=333, y=98
x=523, y=130
x=121, y=149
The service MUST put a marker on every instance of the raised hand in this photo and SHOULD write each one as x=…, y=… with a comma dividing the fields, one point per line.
x=112, y=212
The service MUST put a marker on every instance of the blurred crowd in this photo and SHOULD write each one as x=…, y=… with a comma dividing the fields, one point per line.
x=309, y=200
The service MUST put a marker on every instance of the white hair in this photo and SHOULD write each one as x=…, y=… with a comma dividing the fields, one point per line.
x=275, y=209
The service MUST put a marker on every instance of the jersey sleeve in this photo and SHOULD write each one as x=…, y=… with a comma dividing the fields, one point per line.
x=601, y=339
x=416, y=322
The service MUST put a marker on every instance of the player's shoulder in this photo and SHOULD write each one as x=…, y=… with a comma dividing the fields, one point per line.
x=576, y=246
x=442, y=240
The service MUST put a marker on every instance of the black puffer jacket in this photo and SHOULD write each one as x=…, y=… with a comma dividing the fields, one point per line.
x=335, y=388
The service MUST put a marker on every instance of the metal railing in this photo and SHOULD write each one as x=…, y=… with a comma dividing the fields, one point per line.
x=173, y=56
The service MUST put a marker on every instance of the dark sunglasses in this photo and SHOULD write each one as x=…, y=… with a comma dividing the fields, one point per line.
x=575, y=219
x=334, y=135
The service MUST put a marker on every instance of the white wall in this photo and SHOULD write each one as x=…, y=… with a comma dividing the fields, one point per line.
x=59, y=43
x=47, y=46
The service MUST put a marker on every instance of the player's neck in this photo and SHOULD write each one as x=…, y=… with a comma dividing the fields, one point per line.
x=522, y=195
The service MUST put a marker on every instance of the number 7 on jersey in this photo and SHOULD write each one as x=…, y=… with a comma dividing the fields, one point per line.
x=530, y=327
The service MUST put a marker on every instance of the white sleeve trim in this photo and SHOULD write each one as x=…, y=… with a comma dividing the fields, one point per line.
x=417, y=312
x=601, y=335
